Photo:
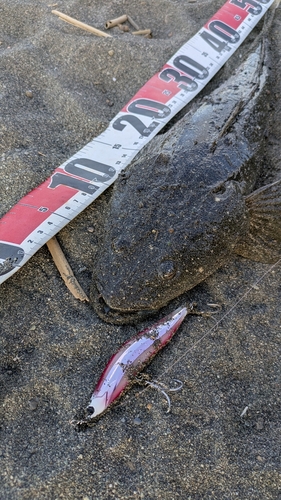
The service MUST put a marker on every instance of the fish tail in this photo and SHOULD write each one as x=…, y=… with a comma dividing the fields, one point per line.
x=263, y=241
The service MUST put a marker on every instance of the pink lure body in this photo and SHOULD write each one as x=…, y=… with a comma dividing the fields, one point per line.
x=130, y=359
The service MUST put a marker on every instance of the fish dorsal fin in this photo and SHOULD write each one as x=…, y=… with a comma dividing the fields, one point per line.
x=263, y=241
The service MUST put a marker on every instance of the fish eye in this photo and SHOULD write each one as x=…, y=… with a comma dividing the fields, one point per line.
x=167, y=269
x=90, y=410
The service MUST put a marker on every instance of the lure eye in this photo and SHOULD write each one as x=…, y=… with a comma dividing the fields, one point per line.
x=167, y=269
x=90, y=410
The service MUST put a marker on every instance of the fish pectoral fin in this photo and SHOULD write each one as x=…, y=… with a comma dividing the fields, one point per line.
x=263, y=241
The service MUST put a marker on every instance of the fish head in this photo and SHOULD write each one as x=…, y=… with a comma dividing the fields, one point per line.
x=160, y=241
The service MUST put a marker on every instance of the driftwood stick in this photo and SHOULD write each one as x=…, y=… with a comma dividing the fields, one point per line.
x=79, y=24
x=65, y=270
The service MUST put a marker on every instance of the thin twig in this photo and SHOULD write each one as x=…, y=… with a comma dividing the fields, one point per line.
x=79, y=24
x=65, y=270
x=132, y=22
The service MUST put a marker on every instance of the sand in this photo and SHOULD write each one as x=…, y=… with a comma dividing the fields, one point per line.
x=60, y=86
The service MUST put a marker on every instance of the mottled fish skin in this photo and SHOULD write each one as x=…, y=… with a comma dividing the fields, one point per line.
x=178, y=212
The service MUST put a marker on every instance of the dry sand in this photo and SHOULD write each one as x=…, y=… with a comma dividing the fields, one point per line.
x=53, y=348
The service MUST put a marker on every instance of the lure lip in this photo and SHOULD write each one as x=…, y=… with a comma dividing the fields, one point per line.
x=129, y=360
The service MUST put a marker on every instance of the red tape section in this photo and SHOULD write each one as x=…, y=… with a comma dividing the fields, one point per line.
x=80, y=180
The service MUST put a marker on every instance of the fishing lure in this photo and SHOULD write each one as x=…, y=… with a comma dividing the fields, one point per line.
x=129, y=360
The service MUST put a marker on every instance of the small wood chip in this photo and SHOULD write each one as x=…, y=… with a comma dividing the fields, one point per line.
x=115, y=22
x=146, y=33
x=244, y=411
x=123, y=27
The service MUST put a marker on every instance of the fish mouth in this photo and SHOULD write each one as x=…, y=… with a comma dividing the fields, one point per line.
x=115, y=316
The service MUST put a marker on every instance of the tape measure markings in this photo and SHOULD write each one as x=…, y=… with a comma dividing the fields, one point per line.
x=81, y=179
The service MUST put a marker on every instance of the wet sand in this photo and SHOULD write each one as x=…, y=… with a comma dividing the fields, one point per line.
x=53, y=347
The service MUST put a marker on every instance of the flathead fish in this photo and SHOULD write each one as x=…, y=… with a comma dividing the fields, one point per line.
x=187, y=203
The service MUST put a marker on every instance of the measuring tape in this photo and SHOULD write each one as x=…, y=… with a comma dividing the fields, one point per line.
x=43, y=212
